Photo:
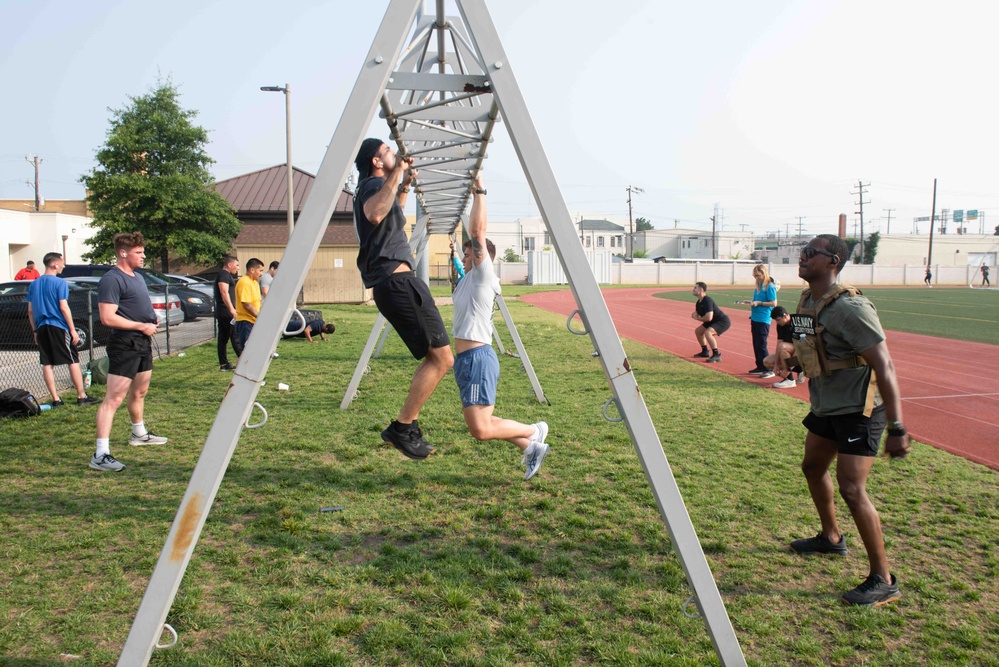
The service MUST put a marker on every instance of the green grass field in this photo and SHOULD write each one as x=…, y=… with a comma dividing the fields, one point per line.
x=955, y=313
x=456, y=560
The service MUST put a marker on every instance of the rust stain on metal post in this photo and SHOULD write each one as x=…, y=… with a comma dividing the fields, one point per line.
x=185, y=531
x=627, y=365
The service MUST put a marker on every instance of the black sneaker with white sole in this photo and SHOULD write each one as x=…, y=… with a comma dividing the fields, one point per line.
x=874, y=592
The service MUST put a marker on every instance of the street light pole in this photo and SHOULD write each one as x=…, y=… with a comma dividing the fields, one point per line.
x=291, y=172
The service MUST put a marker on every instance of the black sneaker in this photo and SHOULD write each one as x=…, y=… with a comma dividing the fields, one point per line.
x=820, y=544
x=714, y=358
x=87, y=400
x=703, y=355
x=874, y=592
x=57, y=404
x=227, y=367
x=410, y=442
x=756, y=371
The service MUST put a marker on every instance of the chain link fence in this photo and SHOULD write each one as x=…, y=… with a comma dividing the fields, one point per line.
x=19, y=364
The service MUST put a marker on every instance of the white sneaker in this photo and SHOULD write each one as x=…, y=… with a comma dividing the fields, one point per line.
x=148, y=439
x=542, y=428
x=107, y=463
x=786, y=383
x=538, y=452
x=801, y=378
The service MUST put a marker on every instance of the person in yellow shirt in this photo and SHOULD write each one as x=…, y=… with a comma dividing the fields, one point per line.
x=248, y=300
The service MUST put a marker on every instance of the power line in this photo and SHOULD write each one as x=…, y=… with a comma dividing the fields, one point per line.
x=860, y=193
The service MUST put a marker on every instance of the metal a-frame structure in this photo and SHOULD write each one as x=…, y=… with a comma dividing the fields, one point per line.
x=444, y=197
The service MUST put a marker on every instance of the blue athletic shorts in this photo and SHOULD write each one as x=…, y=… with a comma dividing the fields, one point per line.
x=477, y=373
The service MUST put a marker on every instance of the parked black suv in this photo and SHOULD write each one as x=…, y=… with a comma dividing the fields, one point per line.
x=15, y=330
x=194, y=303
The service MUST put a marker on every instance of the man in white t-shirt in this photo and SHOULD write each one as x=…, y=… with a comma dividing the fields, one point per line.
x=476, y=367
x=267, y=277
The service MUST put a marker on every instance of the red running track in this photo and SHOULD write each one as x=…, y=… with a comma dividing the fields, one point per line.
x=941, y=380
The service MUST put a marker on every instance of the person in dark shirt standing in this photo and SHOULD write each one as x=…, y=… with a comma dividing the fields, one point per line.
x=386, y=264
x=125, y=307
x=713, y=321
x=225, y=311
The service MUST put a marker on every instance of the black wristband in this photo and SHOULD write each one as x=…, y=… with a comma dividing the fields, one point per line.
x=480, y=192
x=896, y=432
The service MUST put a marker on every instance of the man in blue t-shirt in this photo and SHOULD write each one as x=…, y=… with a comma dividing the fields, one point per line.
x=386, y=264
x=55, y=334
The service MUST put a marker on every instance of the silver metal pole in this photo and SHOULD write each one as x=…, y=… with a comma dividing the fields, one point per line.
x=291, y=170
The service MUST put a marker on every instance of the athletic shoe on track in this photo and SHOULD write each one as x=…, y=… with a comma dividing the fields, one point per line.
x=713, y=358
x=757, y=371
x=801, y=379
x=765, y=375
x=786, y=383
x=703, y=355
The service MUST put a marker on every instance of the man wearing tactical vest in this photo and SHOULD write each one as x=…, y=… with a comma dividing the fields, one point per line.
x=854, y=393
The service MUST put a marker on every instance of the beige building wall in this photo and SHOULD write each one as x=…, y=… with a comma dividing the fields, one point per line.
x=332, y=278
x=956, y=250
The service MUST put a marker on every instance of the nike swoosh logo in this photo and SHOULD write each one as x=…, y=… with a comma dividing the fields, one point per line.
x=852, y=439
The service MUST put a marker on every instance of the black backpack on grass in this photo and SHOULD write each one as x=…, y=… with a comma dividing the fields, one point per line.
x=16, y=402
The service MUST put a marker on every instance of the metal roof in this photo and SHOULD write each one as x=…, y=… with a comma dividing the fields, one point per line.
x=266, y=190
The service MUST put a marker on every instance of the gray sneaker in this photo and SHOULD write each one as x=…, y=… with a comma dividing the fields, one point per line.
x=106, y=463
x=874, y=592
x=148, y=439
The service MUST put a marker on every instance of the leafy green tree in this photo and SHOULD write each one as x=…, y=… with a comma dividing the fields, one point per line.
x=509, y=255
x=152, y=177
x=871, y=247
x=642, y=225
x=997, y=231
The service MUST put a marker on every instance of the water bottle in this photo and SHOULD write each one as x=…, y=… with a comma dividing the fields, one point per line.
x=45, y=406
x=87, y=378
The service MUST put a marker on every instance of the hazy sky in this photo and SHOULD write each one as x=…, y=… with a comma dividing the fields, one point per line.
x=771, y=109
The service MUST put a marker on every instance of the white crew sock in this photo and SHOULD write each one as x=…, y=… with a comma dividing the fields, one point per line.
x=139, y=429
x=103, y=447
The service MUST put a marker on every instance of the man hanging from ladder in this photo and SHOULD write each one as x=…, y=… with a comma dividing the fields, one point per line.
x=387, y=267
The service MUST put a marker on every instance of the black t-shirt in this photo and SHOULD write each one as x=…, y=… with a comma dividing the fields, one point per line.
x=130, y=294
x=707, y=305
x=220, y=308
x=383, y=247
x=784, y=332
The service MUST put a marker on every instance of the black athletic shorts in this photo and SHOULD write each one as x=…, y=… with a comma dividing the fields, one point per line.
x=719, y=327
x=55, y=346
x=854, y=433
x=406, y=303
x=129, y=355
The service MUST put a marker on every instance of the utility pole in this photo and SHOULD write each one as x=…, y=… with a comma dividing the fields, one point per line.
x=933, y=216
x=800, y=232
x=38, y=197
x=889, y=220
x=714, y=233
x=631, y=227
x=860, y=192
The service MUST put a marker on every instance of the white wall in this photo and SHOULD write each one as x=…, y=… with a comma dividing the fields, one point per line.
x=30, y=235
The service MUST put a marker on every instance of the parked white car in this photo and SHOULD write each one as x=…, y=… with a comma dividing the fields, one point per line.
x=168, y=311
x=199, y=284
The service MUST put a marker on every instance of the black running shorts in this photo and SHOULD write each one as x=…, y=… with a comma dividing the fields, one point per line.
x=854, y=433
x=406, y=303
x=55, y=346
x=129, y=355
